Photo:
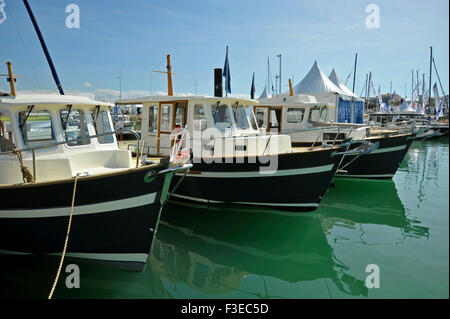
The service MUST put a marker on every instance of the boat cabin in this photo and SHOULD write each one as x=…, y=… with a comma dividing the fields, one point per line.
x=300, y=115
x=208, y=120
x=37, y=125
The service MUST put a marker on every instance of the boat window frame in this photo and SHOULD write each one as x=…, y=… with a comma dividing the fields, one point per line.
x=303, y=109
x=30, y=109
x=229, y=112
x=155, y=130
x=86, y=120
x=99, y=109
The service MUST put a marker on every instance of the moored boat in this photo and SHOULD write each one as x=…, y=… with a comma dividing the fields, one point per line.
x=233, y=161
x=117, y=200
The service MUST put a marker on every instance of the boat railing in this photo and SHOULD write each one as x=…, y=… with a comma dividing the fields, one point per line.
x=33, y=149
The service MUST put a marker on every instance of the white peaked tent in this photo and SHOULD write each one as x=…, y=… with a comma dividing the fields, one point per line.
x=349, y=108
x=316, y=82
x=265, y=94
x=334, y=78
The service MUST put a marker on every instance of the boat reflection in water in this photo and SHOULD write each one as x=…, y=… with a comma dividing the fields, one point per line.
x=352, y=203
x=242, y=252
x=213, y=250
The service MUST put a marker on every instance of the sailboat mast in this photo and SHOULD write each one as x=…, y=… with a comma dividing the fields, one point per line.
x=354, y=73
x=440, y=84
x=429, y=84
x=44, y=47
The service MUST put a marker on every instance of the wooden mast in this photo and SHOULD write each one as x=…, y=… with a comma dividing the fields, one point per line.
x=11, y=78
x=169, y=76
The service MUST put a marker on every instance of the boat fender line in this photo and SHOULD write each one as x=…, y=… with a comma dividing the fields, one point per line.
x=67, y=237
x=26, y=173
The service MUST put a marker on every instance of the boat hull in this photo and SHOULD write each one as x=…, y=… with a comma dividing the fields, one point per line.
x=382, y=163
x=114, y=219
x=299, y=182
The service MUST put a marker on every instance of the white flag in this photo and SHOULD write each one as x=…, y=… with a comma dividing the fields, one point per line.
x=437, y=101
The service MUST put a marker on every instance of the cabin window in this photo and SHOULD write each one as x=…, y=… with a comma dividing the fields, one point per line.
x=323, y=113
x=240, y=117
x=251, y=117
x=221, y=116
x=102, y=124
x=153, y=119
x=75, y=127
x=166, y=117
x=200, y=122
x=180, y=115
x=314, y=114
x=295, y=115
x=261, y=117
x=6, y=134
x=36, y=127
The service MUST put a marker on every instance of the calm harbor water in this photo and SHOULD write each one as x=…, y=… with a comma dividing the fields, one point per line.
x=402, y=226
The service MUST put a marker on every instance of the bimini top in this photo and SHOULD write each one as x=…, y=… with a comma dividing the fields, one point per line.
x=48, y=99
x=162, y=98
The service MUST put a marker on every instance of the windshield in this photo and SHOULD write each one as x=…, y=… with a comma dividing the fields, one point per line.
x=240, y=117
x=221, y=116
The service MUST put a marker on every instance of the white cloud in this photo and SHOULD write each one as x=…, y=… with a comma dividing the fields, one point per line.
x=87, y=84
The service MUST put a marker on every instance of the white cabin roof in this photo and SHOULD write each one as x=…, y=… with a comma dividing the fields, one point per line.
x=48, y=99
x=295, y=100
x=159, y=98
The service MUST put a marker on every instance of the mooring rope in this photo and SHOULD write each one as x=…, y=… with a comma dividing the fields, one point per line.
x=67, y=238
x=27, y=176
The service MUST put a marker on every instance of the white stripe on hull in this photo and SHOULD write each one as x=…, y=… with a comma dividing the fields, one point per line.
x=132, y=257
x=197, y=199
x=368, y=176
x=248, y=203
x=80, y=210
x=285, y=172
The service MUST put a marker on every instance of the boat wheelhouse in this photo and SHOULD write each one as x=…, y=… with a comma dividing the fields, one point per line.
x=309, y=122
x=49, y=145
x=305, y=120
x=233, y=160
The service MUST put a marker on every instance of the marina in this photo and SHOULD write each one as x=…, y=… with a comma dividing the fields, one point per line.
x=203, y=252
x=309, y=191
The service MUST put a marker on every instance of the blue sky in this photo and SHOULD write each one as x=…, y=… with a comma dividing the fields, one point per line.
x=133, y=37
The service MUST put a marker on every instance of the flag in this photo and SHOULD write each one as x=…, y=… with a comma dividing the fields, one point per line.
x=252, y=89
x=226, y=74
x=2, y=11
x=437, y=101
x=414, y=97
x=380, y=98
x=116, y=119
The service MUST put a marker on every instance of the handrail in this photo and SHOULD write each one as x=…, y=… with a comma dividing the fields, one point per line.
x=34, y=148
x=70, y=141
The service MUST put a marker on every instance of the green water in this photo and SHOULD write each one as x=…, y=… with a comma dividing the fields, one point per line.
x=402, y=226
